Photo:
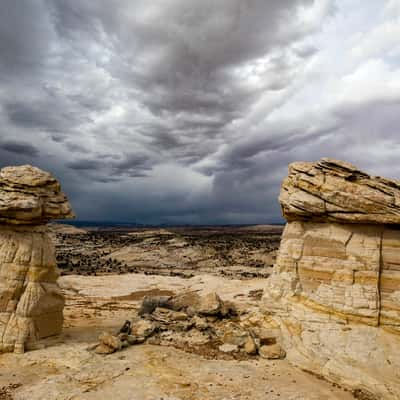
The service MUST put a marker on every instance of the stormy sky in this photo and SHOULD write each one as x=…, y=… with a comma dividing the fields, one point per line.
x=188, y=111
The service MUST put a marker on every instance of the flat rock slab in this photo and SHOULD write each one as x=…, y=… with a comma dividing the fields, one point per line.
x=147, y=372
x=66, y=370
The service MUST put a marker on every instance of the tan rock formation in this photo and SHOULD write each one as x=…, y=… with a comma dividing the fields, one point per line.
x=336, y=191
x=335, y=290
x=31, y=302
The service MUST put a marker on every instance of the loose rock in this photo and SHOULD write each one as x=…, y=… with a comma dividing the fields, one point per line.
x=228, y=348
x=111, y=341
x=250, y=346
x=272, y=352
x=210, y=304
x=143, y=328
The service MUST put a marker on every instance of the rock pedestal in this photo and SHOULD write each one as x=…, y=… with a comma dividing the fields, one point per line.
x=335, y=290
x=31, y=302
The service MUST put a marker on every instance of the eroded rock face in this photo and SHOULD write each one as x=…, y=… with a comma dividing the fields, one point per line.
x=30, y=196
x=335, y=290
x=336, y=191
x=31, y=302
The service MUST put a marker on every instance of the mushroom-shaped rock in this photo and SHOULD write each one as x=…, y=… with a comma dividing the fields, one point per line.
x=335, y=289
x=335, y=191
x=31, y=302
x=30, y=196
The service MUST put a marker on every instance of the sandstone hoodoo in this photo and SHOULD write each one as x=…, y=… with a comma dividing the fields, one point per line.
x=335, y=290
x=31, y=302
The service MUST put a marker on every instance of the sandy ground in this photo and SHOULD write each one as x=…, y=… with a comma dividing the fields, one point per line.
x=67, y=369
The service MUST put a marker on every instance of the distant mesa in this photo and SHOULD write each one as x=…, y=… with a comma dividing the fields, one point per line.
x=31, y=302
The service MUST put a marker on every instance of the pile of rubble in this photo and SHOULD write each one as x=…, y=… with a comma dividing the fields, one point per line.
x=204, y=325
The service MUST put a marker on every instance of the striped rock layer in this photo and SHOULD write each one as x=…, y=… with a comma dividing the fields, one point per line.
x=31, y=303
x=335, y=290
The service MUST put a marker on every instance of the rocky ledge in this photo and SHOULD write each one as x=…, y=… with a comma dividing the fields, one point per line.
x=30, y=196
x=336, y=191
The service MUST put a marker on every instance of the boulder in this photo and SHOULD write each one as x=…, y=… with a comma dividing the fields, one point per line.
x=228, y=348
x=234, y=334
x=210, y=304
x=104, y=349
x=142, y=328
x=167, y=316
x=150, y=303
x=200, y=323
x=113, y=342
x=272, y=352
x=250, y=346
x=31, y=303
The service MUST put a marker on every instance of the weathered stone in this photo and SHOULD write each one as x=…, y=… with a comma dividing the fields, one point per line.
x=228, y=348
x=200, y=323
x=31, y=302
x=272, y=352
x=134, y=340
x=104, y=349
x=209, y=304
x=30, y=196
x=336, y=191
x=150, y=303
x=227, y=309
x=234, y=334
x=143, y=328
x=250, y=346
x=167, y=316
x=110, y=340
x=187, y=301
x=335, y=289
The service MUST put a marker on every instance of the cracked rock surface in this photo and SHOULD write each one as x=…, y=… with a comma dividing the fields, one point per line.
x=336, y=191
x=30, y=196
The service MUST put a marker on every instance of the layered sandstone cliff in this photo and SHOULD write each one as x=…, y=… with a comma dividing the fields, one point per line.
x=335, y=290
x=31, y=302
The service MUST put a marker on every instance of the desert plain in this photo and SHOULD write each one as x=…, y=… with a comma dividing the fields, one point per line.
x=106, y=273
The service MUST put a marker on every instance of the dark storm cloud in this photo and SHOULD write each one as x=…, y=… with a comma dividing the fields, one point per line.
x=132, y=165
x=30, y=115
x=189, y=63
x=83, y=165
x=24, y=38
x=73, y=147
x=20, y=148
x=113, y=168
x=185, y=110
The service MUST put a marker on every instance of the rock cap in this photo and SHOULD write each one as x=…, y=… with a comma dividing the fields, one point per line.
x=30, y=196
x=337, y=191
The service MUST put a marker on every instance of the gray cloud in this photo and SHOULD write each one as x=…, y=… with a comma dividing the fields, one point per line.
x=24, y=33
x=190, y=111
x=83, y=165
x=20, y=148
x=112, y=168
